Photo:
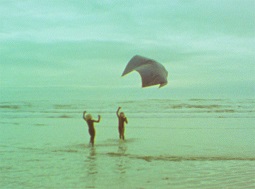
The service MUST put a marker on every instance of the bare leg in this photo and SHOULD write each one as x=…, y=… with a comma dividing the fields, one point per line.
x=123, y=137
x=120, y=133
x=92, y=136
x=92, y=140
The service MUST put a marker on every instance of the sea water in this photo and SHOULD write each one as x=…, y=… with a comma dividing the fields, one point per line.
x=170, y=143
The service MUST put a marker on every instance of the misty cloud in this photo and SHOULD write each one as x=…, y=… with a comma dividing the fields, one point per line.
x=202, y=43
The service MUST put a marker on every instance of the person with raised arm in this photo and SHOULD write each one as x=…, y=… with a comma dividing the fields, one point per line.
x=122, y=120
x=90, y=122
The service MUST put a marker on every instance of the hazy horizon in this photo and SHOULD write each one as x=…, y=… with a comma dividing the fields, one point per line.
x=206, y=46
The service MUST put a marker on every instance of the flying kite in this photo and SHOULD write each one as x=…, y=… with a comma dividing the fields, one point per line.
x=152, y=72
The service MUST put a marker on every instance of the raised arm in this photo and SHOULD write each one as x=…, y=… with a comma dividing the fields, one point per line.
x=117, y=112
x=98, y=120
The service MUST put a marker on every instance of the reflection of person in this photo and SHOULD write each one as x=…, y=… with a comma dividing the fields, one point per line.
x=90, y=122
x=122, y=120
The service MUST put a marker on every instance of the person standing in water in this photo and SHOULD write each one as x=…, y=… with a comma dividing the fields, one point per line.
x=90, y=122
x=122, y=120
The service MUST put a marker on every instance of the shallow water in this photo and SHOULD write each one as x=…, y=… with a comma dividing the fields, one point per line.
x=194, y=143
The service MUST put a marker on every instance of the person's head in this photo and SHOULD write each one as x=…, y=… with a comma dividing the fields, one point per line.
x=122, y=114
x=88, y=117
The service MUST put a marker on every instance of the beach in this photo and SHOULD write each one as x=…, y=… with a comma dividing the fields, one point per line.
x=190, y=102
x=194, y=143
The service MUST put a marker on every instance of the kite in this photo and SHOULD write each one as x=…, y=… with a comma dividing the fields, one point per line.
x=151, y=72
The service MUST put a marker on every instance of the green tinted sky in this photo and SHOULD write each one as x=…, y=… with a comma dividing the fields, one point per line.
x=206, y=46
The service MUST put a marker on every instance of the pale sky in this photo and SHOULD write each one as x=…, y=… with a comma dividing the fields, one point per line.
x=206, y=46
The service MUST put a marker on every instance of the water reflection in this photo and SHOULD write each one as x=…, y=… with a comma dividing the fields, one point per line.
x=122, y=161
x=91, y=167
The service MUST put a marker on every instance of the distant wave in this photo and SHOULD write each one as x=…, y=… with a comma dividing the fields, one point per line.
x=15, y=107
x=194, y=107
x=61, y=116
x=220, y=108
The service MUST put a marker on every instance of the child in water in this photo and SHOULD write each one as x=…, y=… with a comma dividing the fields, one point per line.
x=122, y=119
x=90, y=122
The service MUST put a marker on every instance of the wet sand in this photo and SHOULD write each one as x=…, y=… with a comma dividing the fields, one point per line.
x=47, y=150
